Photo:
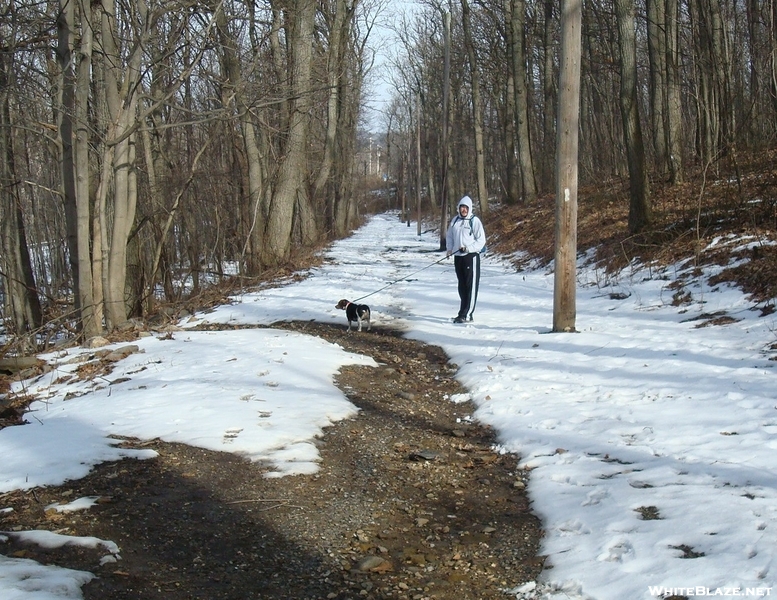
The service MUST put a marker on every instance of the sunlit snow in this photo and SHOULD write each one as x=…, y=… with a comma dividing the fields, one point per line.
x=650, y=439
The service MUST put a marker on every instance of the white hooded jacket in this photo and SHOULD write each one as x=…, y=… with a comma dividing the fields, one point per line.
x=465, y=235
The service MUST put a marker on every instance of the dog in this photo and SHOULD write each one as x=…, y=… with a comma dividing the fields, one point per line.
x=355, y=313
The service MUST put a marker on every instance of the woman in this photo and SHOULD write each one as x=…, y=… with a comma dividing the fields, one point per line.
x=466, y=239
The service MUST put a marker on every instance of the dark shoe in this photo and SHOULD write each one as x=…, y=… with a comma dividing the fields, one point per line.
x=459, y=320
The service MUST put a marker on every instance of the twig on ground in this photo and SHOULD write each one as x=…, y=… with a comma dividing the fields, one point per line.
x=279, y=502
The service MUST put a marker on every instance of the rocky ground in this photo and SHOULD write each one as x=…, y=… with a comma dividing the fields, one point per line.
x=410, y=502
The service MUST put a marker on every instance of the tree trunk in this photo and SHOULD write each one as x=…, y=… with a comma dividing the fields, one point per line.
x=656, y=13
x=290, y=191
x=346, y=208
x=565, y=262
x=512, y=189
x=755, y=30
x=712, y=80
x=525, y=160
x=91, y=311
x=477, y=109
x=773, y=61
x=418, y=166
x=639, y=205
x=234, y=98
x=674, y=106
x=74, y=160
x=64, y=54
x=444, y=151
x=430, y=176
x=402, y=188
x=549, y=95
x=122, y=107
x=346, y=212
x=20, y=289
x=334, y=70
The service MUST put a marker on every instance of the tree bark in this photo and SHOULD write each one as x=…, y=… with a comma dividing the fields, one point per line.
x=290, y=192
x=75, y=73
x=773, y=61
x=91, y=311
x=712, y=80
x=521, y=106
x=565, y=261
x=334, y=70
x=419, y=216
x=444, y=150
x=512, y=179
x=656, y=22
x=346, y=213
x=549, y=95
x=234, y=98
x=639, y=189
x=121, y=99
x=477, y=108
x=674, y=106
x=20, y=289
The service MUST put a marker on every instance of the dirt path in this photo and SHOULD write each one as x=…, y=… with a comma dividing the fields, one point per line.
x=410, y=502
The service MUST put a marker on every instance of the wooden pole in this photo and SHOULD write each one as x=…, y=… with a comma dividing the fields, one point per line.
x=564, y=282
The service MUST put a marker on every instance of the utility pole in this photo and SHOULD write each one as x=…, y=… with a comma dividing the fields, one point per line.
x=565, y=262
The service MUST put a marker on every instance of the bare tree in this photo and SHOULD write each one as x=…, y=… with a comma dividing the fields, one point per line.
x=515, y=29
x=18, y=280
x=477, y=107
x=445, y=124
x=548, y=122
x=346, y=60
x=674, y=120
x=773, y=55
x=712, y=80
x=291, y=196
x=109, y=154
x=512, y=176
x=339, y=23
x=639, y=188
x=236, y=98
x=74, y=92
x=121, y=93
x=657, y=55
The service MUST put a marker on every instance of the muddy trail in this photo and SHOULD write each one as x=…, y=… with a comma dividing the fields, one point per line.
x=411, y=501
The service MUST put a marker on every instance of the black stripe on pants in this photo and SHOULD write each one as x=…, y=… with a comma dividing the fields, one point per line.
x=468, y=274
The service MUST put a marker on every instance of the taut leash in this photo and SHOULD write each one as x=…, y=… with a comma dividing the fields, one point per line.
x=401, y=279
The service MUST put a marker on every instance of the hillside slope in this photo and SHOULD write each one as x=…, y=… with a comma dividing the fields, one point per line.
x=705, y=220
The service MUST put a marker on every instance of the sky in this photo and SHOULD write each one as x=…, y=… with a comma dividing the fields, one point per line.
x=640, y=413
x=384, y=40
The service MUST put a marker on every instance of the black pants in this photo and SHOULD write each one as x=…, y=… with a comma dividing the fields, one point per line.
x=468, y=274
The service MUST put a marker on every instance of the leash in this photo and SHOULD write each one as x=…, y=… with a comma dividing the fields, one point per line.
x=400, y=279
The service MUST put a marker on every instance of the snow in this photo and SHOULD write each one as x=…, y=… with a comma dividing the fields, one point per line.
x=76, y=505
x=649, y=439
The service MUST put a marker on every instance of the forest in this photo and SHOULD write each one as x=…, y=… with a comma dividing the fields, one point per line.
x=152, y=149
